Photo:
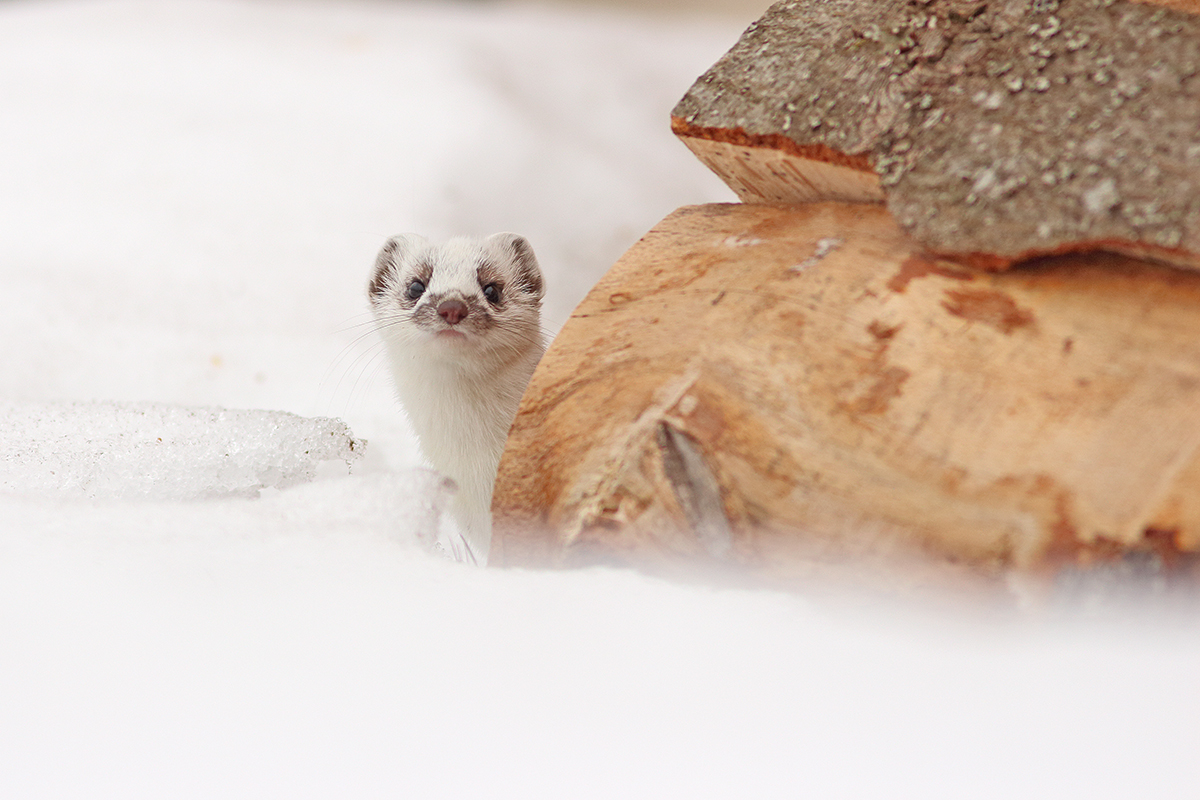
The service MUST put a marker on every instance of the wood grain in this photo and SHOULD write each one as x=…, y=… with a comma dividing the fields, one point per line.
x=796, y=391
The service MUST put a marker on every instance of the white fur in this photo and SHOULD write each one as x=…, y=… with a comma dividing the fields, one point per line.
x=460, y=393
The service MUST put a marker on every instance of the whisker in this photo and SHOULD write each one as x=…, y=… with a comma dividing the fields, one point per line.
x=369, y=372
x=343, y=354
x=353, y=369
x=346, y=327
x=356, y=361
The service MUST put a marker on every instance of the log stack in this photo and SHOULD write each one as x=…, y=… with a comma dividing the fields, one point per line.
x=929, y=348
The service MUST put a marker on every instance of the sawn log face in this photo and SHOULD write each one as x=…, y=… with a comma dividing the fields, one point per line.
x=788, y=388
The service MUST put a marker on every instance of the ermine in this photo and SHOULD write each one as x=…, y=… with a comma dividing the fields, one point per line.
x=461, y=324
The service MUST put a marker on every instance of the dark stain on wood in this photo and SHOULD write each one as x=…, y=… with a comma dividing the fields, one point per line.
x=1164, y=543
x=989, y=307
x=792, y=321
x=886, y=382
x=887, y=386
x=1159, y=551
x=919, y=266
x=881, y=331
x=1064, y=545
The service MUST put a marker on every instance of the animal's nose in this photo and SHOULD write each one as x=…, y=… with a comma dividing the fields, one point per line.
x=453, y=311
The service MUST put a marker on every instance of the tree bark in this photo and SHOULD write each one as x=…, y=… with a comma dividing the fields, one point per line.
x=995, y=132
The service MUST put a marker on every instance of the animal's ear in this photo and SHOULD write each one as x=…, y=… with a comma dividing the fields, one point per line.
x=388, y=262
x=517, y=248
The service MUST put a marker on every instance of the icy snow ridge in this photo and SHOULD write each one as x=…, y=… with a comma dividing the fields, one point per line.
x=106, y=450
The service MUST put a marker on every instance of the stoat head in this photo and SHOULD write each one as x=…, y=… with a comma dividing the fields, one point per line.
x=459, y=301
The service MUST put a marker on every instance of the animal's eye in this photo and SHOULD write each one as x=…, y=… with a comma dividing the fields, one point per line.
x=492, y=293
x=415, y=290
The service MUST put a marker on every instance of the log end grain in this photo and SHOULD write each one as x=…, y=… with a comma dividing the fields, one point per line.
x=794, y=392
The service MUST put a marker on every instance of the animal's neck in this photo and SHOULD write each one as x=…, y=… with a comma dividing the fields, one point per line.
x=461, y=411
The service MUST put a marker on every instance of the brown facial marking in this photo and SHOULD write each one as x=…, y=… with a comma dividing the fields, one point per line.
x=385, y=268
x=489, y=273
x=528, y=276
x=380, y=280
x=423, y=273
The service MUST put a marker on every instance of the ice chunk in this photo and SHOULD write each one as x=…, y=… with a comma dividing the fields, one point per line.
x=106, y=450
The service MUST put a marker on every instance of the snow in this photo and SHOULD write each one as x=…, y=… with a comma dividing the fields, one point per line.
x=130, y=450
x=191, y=195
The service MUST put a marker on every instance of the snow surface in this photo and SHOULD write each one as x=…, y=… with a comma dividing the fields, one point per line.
x=105, y=450
x=191, y=195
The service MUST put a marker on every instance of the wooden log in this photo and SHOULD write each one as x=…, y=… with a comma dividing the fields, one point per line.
x=796, y=391
x=996, y=132
x=1189, y=6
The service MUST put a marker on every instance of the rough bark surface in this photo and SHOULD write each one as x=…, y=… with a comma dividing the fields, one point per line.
x=997, y=131
x=790, y=390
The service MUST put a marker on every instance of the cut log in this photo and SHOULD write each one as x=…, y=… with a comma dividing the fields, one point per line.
x=1190, y=6
x=798, y=390
x=995, y=132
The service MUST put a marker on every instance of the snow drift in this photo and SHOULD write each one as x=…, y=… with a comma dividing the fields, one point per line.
x=191, y=196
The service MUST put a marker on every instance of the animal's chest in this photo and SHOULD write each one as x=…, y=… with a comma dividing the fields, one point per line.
x=460, y=421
